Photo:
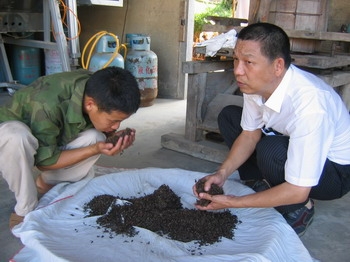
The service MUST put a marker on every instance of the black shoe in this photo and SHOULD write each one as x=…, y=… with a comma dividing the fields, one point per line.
x=300, y=219
x=261, y=185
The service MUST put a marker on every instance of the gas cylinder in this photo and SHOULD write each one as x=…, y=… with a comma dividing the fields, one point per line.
x=106, y=48
x=25, y=64
x=129, y=38
x=143, y=64
x=53, y=62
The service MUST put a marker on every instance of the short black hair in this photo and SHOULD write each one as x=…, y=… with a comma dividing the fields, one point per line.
x=114, y=89
x=274, y=41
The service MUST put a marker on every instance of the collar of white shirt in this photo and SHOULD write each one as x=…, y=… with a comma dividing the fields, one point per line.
x=276, y=99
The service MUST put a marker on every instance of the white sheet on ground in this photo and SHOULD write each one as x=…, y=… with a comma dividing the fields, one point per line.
x=59, y=231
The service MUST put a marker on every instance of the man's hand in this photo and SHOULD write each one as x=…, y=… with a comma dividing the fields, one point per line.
x=123, y=142
x=216, y=201
x=280, y=195
x=218, y=178
x=76, y=155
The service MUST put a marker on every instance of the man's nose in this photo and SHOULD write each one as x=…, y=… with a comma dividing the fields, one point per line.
x=115, y=126
x=238, y=69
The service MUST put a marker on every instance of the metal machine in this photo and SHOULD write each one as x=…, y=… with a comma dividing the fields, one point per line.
x=36, y=16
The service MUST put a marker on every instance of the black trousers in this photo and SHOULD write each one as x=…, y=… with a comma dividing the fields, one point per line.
x=269, y=159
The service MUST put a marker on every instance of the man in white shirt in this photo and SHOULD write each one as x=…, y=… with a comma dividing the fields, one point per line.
x=292, y=136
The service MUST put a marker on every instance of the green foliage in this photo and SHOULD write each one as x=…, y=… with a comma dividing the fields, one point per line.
x=223, y=9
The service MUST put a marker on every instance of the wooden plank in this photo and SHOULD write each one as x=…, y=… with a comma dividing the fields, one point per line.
x=306, y=60
x=195, y=67
x=337, y=78
x=320, y=35
x=323, y=18
x=259, y=11
x=195, y=97
x=206, y=150
x=321, y=61
x=227, y=52
x=182, y=28
x=307, y=15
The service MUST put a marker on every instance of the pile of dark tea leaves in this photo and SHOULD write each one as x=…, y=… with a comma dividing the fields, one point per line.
x=162, y=213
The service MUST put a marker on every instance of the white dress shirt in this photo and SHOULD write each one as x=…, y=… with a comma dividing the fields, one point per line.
x=314, y=117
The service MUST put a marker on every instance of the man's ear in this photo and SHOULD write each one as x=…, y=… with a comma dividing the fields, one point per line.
x=279, y=66
x=89, y=103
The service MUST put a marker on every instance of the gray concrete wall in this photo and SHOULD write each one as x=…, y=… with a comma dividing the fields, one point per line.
x=158, y=18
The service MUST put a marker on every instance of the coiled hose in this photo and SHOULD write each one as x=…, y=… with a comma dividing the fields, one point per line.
x=94, y=40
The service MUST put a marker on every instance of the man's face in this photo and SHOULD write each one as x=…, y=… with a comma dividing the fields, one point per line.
x=255, y=73
x=102, y=121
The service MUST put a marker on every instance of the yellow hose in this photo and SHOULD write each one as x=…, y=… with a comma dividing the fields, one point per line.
x=94, y=40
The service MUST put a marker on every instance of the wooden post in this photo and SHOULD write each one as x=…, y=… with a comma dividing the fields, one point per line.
x=195, y=94
x=259, y=11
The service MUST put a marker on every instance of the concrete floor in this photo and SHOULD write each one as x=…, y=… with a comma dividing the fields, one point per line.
x=328, y=238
